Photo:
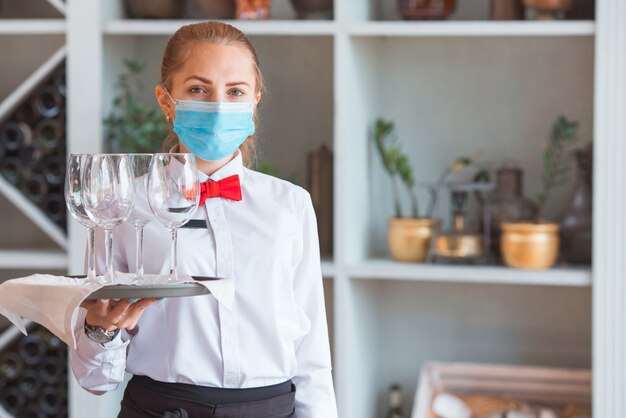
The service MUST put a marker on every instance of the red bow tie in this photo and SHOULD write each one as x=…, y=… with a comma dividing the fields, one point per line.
x=228, y=188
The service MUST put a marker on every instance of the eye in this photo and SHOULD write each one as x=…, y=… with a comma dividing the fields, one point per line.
x=237, y=92
x=197, y=90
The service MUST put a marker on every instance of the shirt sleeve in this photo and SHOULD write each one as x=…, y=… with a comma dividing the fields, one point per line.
x=315, y=396
x=99, y=368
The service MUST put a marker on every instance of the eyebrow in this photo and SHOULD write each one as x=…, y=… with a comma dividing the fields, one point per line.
x=197, y=77
x=207, y=81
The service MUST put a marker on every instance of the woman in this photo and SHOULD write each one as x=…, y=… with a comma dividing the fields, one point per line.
x=196, y=356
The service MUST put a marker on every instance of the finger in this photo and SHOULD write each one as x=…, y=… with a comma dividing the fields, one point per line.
x=134, y=313
x=87, y=303
x=99, y=307
x=143, y=304
x=118, y=312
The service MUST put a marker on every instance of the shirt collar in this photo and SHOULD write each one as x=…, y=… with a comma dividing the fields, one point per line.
x=234, y=166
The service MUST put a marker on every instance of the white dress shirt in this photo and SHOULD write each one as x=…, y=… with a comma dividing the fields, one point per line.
x=276, y=330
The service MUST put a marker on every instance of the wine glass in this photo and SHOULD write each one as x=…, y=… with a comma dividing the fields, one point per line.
x=76, y=207
x=140, y=216
x=173, y=195
x=108, y=194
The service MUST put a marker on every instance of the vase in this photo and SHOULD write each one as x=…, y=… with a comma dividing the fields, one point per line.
x=154, y=9
x=426, y=9
x=507, y=204
x=548, y=9
x=410, y=239
x=530, y=245
x=313, y=9
x=252, y=9
x=211, y=9
x=576, y=224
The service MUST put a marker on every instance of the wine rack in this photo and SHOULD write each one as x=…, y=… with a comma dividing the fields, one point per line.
x=33, y=376
x=33, y=146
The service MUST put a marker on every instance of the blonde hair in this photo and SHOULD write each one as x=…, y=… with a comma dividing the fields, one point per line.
x=177, y=50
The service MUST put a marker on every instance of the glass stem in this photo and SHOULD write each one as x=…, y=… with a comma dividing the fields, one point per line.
x=173, y=270
x=108, y=236
x=139, y=260
x=91, y=255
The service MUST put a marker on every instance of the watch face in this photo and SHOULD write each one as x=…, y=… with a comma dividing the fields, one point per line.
x=98, y=336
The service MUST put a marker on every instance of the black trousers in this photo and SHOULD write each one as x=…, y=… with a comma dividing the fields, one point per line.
x=145, y=397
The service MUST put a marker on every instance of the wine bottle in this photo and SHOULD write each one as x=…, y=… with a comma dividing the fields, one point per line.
x=53, y=168
x=52, y=370
x=58, y=80
x=30, y=154
x=11, y=169
x=34, y=186
x=51, y=400
x=29, y=383
x=53, y=342
x=31, y=349
x=49, y=133
x=13, y=400
x=33, y=411
x=395, y=402
x=47, y=102
x=11, y=365
x=26, y=114
x=14, y=135
x=53, y=205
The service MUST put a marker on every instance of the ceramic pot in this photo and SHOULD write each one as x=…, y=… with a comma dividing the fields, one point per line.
x=253, y=9
x=426, y=9
x=409, y=239
x=548, y=9
x=507, y=204
x=154, y=9
x=576, y=230
x=528, y=245
x=313, y=9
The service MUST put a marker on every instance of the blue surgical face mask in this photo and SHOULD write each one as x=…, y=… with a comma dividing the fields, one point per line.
x=213, y=130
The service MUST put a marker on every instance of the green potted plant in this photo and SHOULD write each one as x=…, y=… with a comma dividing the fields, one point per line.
x=408, y=237
x=534, y=244
x=133, y=126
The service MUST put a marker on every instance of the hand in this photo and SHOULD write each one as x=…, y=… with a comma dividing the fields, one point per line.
x=111, y=315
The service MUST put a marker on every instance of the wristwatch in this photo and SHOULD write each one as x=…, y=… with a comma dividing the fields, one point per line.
x=99, y=334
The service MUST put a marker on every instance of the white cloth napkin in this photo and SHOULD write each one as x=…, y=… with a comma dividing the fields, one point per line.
x=53, y=301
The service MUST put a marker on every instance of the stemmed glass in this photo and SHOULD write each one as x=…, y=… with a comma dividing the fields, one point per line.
x=140, y=216
x=173, y=195
x=108, y=195
x=76, y=207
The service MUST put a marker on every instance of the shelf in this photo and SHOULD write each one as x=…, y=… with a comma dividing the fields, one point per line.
x=474, y=28
x=33, y=259
x=59, y=5
x=267, y=27
x=328, y=269
x=32, y=26
x=386, y=269
x=33, y=213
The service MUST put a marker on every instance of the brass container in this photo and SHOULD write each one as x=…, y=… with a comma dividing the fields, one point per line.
x=409, y=239
x=459, y=246
x=527, y=245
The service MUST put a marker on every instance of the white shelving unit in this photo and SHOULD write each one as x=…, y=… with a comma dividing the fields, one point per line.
x=32, y=26
x=473, y=28
x=385, y=269
x=40, y=260
x=451, y=87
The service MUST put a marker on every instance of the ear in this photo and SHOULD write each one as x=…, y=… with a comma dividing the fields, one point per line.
x=165, y=102
x=257, y=98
